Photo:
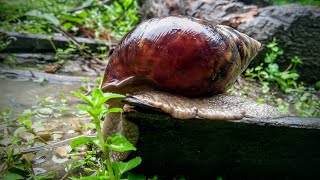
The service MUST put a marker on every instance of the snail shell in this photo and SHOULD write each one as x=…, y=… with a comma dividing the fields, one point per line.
x=186, y=56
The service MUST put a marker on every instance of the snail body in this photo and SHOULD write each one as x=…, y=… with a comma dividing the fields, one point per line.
x=174, y=64
x=185, y=56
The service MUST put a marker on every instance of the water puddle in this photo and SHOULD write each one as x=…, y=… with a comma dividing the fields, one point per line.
x=55, y=120
x=19, y=95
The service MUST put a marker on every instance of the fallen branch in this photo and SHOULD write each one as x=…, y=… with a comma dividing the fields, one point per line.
x=40, y=76
x=39, y=43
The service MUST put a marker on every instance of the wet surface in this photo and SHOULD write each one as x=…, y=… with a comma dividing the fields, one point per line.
x=19, y=95
x=55, y=122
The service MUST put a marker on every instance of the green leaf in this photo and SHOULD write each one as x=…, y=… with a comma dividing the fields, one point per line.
x=83, y=97
x=47, y=16
x=82, y=14
x=22, y=167
x=71, y=18
x=258, y=68
x=97, y=95
x=45, y=176
x=305, y=96
x=94, y=178
x=109, y=96
x=98, y=80
x=260, y=100
x=296, y=60
x=82, y=107
x=264, y=74
x=273, y=67
x=67, y=26
x=219, y=178
x=282, y=84
x=112, y=110
x=284, y=75
x=119, y=143
x=89, y=126
x=134, y=176
x=77, y=163
x=122, y=167
x=12, y=176
x=82, y=141
x=95, y=112
x=294, y=76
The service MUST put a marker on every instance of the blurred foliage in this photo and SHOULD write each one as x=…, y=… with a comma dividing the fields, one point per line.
x=99, y=19
x=304, y=2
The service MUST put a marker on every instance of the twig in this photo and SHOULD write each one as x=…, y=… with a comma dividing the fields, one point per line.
x=72, y=39
x=81, y=154
x=53, y=145
x=83, y=51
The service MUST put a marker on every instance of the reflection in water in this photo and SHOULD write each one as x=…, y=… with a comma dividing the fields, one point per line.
x=20, y=95
x=55, y=121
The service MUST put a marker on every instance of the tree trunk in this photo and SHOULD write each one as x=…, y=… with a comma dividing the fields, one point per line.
x=281, y=148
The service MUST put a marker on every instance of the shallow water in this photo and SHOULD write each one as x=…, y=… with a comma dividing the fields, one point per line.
x=56, y=121
x=20, y=95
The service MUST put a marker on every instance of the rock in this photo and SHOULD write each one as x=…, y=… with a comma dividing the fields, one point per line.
x=296, y=27
x=76, y=126
x=59, y=160
x=219, y=11
x=29, y=157
x=62, y=151
x=38, y=171
x=83, y=148
x=26, y=136
x=72, y=66
x=297, y=30
x=56, y=137
x=39, y=159
x=45, y=135
x=45, y=112
x=5, y=141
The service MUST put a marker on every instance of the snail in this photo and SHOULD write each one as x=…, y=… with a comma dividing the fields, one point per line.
x=185, y=56
x=182, y=66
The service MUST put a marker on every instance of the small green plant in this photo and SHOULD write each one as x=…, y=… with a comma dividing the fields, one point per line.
x=105, y=20
x=304, y=2
x=88, y=86
x=271, y=74
x=4, y=41
x=277, y=84
x=95, y=107
x=14, y=163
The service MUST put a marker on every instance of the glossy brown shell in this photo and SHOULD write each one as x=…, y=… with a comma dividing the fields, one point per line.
x=182, y=55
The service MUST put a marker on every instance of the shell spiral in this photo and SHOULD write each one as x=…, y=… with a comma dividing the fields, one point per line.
x=182, y=55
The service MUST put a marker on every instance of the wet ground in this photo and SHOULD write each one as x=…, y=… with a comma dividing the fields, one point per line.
x=55, y=119
x=19, y=95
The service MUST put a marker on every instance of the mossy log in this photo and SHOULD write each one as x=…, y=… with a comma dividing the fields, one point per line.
x=40, y=43
x=281, y=148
